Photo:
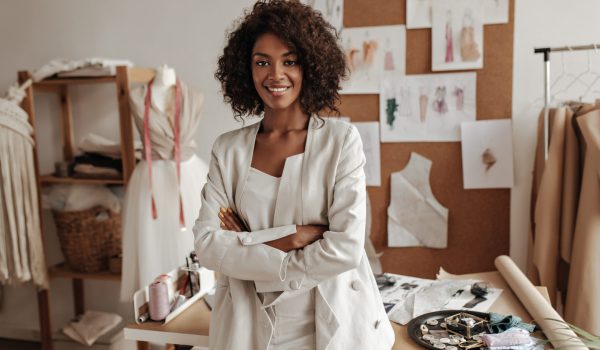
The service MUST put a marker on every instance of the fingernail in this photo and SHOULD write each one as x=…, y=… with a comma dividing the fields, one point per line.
x=229, y=210
x=221, y=215
x=222, y=210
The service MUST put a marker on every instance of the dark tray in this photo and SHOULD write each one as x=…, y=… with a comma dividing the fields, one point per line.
x=414, y=330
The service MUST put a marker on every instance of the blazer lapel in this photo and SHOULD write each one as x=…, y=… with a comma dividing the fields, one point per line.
x=244, y=161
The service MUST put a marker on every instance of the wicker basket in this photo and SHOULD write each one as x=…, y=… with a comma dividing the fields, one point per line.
x=88, y=237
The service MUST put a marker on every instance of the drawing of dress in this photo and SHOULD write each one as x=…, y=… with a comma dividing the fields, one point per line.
x=388, y=61
x=459, y=93
x=405, y=108
x=439, y=104
x=449, y=43
x=369, y=51
x=469, y=51
x=390, y=110
x=415, y=217
x=423, y=98
x=351, y=56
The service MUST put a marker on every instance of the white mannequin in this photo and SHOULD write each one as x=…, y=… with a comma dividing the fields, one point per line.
x=164, y=79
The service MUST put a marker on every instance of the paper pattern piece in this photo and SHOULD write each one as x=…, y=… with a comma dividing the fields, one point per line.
x=409, y=297
x=487, y=154
x=418, y=13
x=371, y=54
x=332, y=10
x=428, y=107
x=415, y=217
x=457, y=34
x=369, y=133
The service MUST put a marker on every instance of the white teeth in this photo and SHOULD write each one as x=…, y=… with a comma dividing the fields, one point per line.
x=277, y=89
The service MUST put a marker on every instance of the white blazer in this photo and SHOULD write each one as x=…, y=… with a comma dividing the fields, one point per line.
x=349, y=313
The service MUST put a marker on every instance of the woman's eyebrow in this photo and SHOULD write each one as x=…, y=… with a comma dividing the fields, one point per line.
x=289, y=53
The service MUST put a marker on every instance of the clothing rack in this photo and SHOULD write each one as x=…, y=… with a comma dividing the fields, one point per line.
x=546, y=51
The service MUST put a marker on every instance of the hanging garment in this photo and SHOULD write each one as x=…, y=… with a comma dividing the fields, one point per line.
x=152, y=246
x=293, y=319
x=583, y=305
x=21, y=247
x=546, y=211
x=415, y=217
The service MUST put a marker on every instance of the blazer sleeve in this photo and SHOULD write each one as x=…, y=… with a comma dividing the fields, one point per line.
x=342, y=246
x=236, y=254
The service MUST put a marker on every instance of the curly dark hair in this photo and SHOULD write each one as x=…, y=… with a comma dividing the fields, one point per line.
x=305, y=31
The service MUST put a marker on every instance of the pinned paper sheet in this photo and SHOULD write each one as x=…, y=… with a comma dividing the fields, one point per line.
x=487, y=154
x=415, y=217
x=457, y=34
x=426, y=107
x=369, y=133
x=371, y=54
x=418, y=13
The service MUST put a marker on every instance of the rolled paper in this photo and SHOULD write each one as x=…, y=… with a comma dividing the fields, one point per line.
x=556, y=330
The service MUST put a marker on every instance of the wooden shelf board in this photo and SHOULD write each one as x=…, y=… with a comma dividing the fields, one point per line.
x=63, y=271
x=75, y=81
x=51, y=179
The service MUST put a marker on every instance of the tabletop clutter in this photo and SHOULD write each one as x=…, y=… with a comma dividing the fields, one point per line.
x=451, y=314
x=170, y=294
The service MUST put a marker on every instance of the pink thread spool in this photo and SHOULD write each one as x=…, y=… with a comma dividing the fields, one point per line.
x=159, y=301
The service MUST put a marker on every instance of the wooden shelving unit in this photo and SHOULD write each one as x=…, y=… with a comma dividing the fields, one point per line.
x=63, y=271
x=60, y=86
x=53, y=180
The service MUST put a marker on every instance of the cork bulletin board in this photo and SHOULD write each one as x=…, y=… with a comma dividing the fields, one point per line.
x=479, y=220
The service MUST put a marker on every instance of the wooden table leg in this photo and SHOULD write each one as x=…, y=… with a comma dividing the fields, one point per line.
x=143, y=345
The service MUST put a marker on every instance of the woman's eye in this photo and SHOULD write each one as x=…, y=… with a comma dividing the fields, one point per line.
x=262, y=63
x=291, y=63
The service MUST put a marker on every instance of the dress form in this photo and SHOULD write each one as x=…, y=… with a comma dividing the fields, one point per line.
x=164, y=80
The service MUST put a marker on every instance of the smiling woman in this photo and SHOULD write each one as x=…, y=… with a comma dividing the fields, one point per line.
x=283, y=211
x=306, y=34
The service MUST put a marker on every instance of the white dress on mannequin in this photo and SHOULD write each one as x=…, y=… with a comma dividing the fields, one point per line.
x=155, y=246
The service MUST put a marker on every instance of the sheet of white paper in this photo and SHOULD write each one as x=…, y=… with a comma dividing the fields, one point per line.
x=332, y=10
x=457, y=34
x=418, y=13
x=398, y=299
x=487, y=154
x=411, y=297
x=428, y=107
x=369, y=133
x=372, y=53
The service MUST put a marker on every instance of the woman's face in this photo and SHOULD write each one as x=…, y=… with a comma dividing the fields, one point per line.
x=276, y=73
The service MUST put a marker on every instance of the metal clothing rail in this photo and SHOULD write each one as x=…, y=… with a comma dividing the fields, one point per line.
x=546, y=51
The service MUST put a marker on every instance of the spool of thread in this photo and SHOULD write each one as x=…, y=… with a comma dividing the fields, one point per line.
x=166, y=279
x=159, y=301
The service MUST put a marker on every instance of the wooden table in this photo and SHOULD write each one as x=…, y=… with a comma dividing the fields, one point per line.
x=191, y=327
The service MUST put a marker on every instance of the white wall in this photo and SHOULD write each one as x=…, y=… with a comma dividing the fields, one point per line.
x=186, y=34
x=543, y=23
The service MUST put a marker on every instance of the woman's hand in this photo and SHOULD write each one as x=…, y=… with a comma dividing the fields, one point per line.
x=304, y=235
x=231, y=221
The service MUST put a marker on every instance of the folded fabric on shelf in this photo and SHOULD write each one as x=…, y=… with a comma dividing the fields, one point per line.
x=92, y=143
x=61, y=65
x=91, y=326
x=99, y=160
x=89, y=170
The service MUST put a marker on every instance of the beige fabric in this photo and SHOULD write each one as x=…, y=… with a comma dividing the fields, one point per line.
x=583, y=305
x=161, y=127
x=21, y=247
x=547, y=212
x=332, y=193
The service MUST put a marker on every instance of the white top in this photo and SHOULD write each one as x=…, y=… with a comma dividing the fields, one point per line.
x=264, y=188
